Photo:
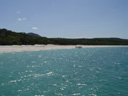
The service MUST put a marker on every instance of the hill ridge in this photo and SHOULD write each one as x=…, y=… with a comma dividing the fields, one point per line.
x=8, y=37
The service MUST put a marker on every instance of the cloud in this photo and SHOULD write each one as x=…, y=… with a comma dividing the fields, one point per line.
x=18, y=12
x=35, y=28
x=21, y=19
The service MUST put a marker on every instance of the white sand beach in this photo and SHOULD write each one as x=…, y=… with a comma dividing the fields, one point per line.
x=20, y=48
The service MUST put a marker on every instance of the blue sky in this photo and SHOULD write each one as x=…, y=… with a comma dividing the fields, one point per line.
x=66, y=18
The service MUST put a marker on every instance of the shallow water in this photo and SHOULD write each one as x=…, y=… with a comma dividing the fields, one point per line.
x=69, y=72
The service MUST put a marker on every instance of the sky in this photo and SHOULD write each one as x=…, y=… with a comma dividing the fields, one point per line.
x=66, y=18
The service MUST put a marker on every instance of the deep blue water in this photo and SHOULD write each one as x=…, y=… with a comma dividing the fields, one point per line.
x=69, y=72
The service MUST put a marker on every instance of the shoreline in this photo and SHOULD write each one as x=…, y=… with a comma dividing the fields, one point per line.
x=22, y=48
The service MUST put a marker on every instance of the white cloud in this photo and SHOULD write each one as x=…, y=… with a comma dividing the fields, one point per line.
x=18, y=12
x=21, y=19
x=35, y=28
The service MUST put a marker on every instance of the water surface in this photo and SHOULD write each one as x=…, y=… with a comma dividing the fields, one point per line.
x=69, y=72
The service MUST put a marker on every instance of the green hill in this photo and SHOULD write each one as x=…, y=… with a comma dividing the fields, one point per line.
x=8, y=37
x=33, y=34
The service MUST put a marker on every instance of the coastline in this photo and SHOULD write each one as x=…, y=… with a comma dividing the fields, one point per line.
x=21, y=48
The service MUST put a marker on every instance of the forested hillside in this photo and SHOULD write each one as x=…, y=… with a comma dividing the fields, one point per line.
x=8, y=37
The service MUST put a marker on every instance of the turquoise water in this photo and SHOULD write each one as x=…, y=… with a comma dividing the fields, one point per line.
x=69, y=72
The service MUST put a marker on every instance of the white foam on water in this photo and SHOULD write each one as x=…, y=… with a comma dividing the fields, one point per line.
x=38, y=75
x=80, y=66
x=74, y=65
x=25, y=76
x=54, y=85
x=119, y=78
x=91, y=69
x=62, y=88
x=26, y=71
x=75, y=72
x=64, y=76
x=19, y=80
x=97, y=72
x=13, y=81
x=19, y=90
x=39, y=56
x=26, y=89
x=45, y=61
x=33, y=61
x=94, y=95
x=75, y=94
x=59, y=94
x=30, y=71
x=67, y=81
x=79, y=84
x=35, y=66
x=99, y=68
x=28, y=66
x=2, y=84
x=49, y=73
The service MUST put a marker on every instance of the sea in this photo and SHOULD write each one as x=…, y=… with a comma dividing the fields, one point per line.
x=99, y=71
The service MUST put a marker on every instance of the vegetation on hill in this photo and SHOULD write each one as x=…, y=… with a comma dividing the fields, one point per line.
x=8, y=37
x=33, y=34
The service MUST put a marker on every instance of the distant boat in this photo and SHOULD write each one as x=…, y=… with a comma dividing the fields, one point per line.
x=78, y=46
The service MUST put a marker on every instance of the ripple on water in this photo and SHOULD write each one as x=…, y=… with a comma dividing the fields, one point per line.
x=84, y=72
